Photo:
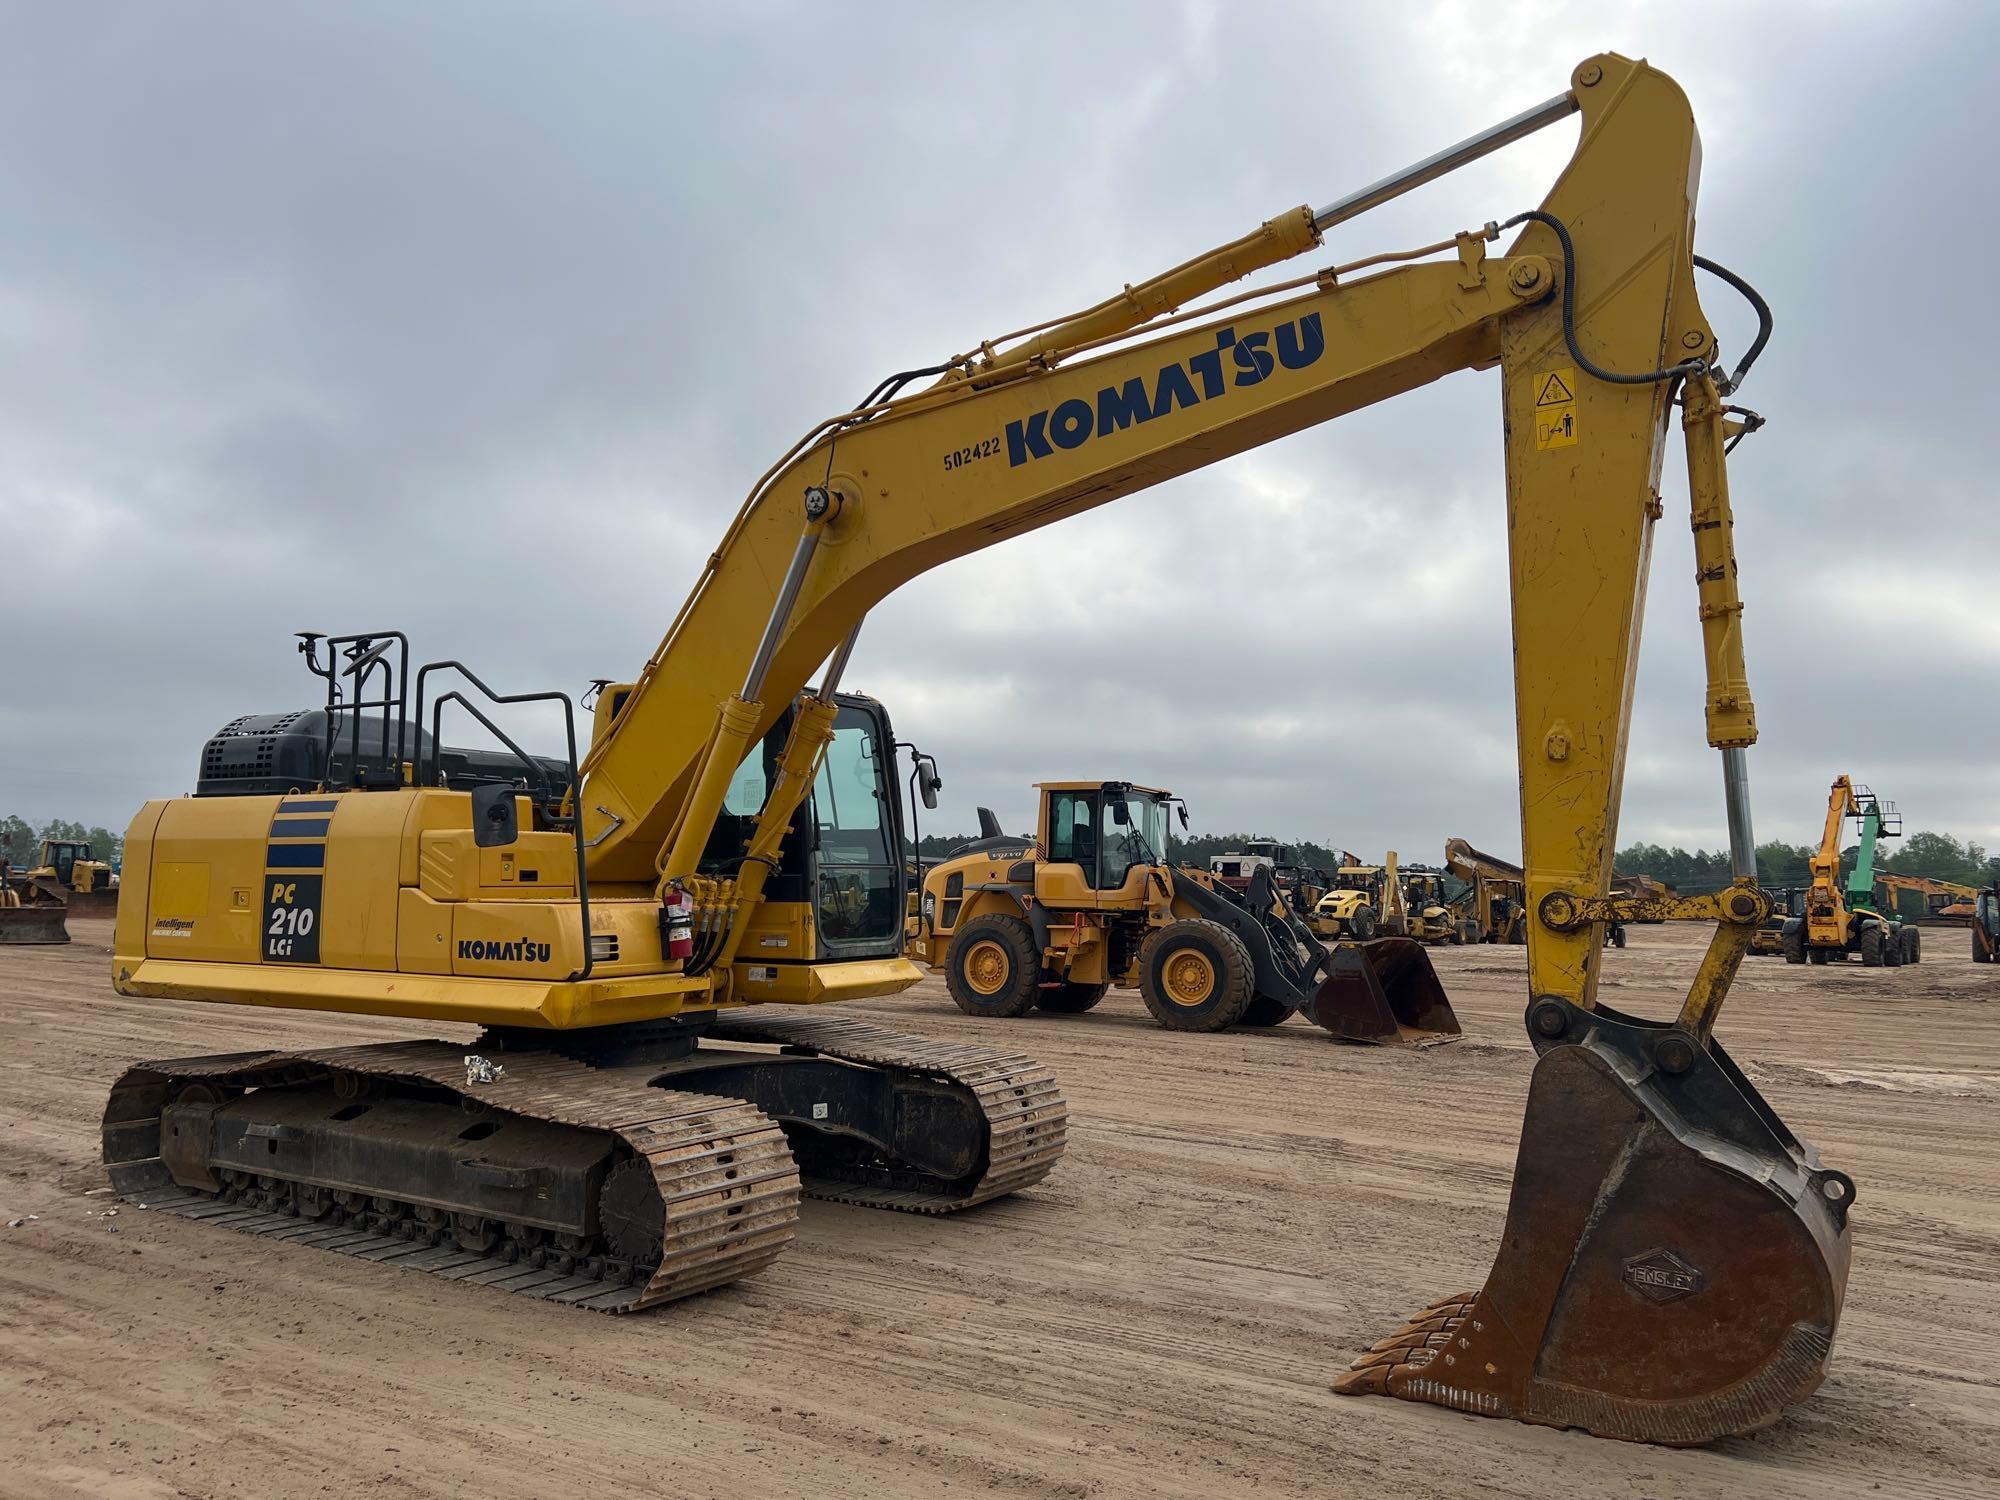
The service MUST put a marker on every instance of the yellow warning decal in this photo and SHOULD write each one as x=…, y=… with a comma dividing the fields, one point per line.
x=1556, y=386
x=1555, y=408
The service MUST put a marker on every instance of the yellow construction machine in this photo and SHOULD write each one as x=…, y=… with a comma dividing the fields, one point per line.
x=1493, y=900
x=1349, y=908
x=1844, y=917
x=67, y=880
x=29, y=912
x=1094, y=904
x=1946, y=903
x=1674, y=1258
x=1412, y=904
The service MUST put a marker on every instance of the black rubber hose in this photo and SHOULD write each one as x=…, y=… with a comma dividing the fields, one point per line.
x=1588, y=365
x=1764, y=320
x=896, y=382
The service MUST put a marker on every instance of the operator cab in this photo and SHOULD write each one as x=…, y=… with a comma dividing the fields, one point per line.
x=844, y=852
x=1097, y=833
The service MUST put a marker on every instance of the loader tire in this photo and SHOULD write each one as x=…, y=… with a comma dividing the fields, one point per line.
x=1913, y=946
x=994, y=968
x=1265, y=1011
x=1872, y=946
x=1822, y=956
x=1070, y=998
x=1892, y=948
x=1361, y=926
x=1981, y=954
x=1468, y=932
x=1196, y=975
x=1793, y=944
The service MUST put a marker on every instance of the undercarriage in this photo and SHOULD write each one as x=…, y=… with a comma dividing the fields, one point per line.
x=614, y=1174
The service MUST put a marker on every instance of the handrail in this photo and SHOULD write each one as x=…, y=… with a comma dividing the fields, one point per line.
x=573, y=818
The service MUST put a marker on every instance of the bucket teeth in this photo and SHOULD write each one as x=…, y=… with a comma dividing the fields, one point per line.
x=1413, y=1345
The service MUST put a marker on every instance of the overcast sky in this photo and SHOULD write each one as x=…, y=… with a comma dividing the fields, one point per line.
x=480, y=319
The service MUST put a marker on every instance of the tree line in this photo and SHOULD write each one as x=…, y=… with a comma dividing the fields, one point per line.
x=1928, y=855
x=21, y=841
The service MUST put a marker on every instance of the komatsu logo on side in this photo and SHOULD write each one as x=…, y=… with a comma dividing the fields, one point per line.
x=493, y=950
x=1253, y=359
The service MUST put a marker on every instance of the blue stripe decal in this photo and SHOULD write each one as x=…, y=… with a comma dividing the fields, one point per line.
x=310, y=804
x=299, y=828
x=294, y=856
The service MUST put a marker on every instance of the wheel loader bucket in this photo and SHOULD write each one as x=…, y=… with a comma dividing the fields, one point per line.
x=1673, y=1261
x=1386, y=991
x=32, y=924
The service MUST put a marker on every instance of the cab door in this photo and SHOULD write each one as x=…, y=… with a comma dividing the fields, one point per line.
x=1066, y=878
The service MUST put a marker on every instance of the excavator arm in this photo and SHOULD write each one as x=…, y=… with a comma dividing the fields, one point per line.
x=1674, y=1259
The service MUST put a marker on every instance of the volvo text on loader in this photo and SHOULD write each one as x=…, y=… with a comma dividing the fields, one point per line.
x=1094, y=904
x=1674, y=1259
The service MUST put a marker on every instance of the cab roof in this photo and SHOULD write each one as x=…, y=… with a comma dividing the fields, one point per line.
x=1092, y=786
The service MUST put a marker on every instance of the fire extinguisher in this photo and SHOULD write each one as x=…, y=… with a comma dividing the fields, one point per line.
x=679, y=922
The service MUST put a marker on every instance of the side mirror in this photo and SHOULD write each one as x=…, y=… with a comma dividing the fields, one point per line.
x=1182, y=808
x=928, y=781
x=495, y=816
x=1121, y=814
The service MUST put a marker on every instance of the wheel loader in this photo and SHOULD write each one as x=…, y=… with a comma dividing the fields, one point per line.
x=1094, y=904
x=652, y=933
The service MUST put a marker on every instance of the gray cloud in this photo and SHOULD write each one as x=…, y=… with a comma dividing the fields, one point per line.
x=480, y=319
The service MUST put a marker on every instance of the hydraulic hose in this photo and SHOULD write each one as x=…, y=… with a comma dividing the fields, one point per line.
x=1584, y=361
x=1726, y=385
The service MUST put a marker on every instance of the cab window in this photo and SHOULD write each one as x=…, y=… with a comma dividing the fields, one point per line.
x=1073, y=829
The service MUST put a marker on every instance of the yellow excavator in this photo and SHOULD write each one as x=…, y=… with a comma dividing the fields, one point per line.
x=1946, y=903
x=651, y=932
x=1493, y=895
x=1094, y=903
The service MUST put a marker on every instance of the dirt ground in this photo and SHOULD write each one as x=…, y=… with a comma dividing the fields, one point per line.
x=1237, y=1215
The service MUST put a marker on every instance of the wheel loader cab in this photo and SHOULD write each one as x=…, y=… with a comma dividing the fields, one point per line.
x=1101, y=841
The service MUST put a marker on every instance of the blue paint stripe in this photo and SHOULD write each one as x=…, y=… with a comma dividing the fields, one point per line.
x=299, y=828
x=309, y=804
x=294, y=856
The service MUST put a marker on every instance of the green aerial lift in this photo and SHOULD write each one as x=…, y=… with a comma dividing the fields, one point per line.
x=1842, y=919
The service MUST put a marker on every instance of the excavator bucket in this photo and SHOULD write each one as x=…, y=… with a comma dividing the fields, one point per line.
x=32, y=924
x=1673, y=1261
x=1386, y=991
